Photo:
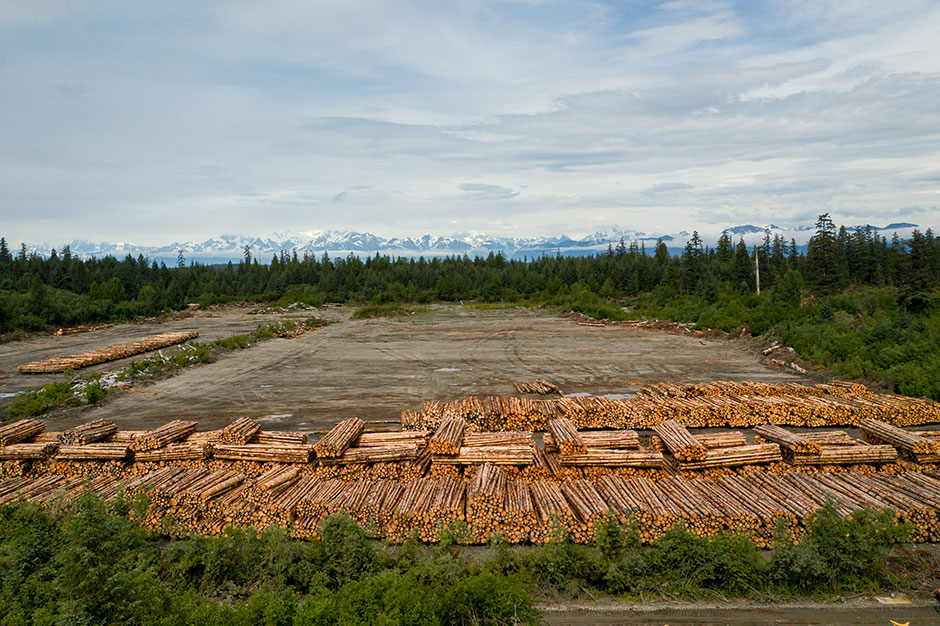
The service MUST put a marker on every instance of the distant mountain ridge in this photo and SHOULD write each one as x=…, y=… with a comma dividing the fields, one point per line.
x=341, y=243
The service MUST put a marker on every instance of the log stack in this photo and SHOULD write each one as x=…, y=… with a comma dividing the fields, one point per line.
x=566, y=437
x=786, y=439
x=539, y=386
x=448, y=437
x=166, y=434
x=89, y=432
x=239, y=432
x=340, y=437
x=680, y=442
x=111, y=353
x=486, y=501
x=20, y=430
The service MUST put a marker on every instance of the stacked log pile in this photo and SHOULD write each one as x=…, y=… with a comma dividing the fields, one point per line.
x=166, y=434
x=566, y=437
x=787, y=404
x=111, y=353
x=340, y=437
x=921, y=449
x=202, y=501
x=486, y=501
x=263, y=453
x=539, y=386
x=20, y=430
x=89, y=432
x=680, y=442
x=448, y=437
x=239, y=432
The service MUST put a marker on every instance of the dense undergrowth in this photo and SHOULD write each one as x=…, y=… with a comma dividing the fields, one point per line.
x=91, y=565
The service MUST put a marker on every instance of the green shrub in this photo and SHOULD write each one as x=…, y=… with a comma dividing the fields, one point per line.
x=32, y=403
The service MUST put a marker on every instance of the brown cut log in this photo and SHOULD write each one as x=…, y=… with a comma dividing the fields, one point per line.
x=340, y=437
x=168, y=433
x=239, y=432
x=680, y=442
x=448, y=437
x=20, y=431
x=89, y=432
x=566, y=437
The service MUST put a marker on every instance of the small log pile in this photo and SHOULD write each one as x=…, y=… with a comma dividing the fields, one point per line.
x=93, y=452
x=263, y=453
x=733, y=457
x=239, y=432
x=792, y=442
x=486, y=501
x=520, y=518
x=566, y=437
x=166, y=434
x=539, y=386
x=908, y=441
x=28, y=451
x=555, y=517
x=111, y=353
x=588, y=506
x=680, y=442
x=448, y=437
x=89, y=432
x=340, y=437
x=20, y=430
x=279, y=437
x=730, y=439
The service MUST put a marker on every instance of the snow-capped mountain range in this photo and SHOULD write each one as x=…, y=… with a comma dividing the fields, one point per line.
x=342, y=243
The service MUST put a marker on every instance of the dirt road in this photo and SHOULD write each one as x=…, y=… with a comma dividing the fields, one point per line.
x=376, y=368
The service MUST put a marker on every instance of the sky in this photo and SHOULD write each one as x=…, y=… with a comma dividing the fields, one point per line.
x=179, y=121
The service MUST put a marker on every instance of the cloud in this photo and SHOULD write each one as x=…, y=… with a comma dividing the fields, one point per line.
x=412, y=116
x=481, y=191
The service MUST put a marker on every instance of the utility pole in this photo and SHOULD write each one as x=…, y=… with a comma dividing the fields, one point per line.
x=757, y=267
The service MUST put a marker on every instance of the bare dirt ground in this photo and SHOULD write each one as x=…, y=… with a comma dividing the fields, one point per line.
x=222, y=323
x=735, y=614
x=376, y=368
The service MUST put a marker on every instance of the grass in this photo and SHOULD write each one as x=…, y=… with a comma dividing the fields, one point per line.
x=389, y=309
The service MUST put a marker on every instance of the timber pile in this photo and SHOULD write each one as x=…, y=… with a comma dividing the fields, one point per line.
x=89, y=432
x=375, y=454
x=340, y=437
x=392, y=438
x=20, y=431
x=166, y=434
x=539, y=386
x=498, y=455
x=239, y=432
x=28, y=451
x=555, y=516
x=736, y=456
x=793, y=406
x=486, y=501
x=111, y=353
x=203, y=501
x=600, y=440
x=908, y=441
x=448, y=437
x=279, y=437
x=588, y=506
x=729, y=439
x=520, y=517
x=184, y=451
x=680, y=442
x=613, y=458
x=263, y=453
x=790, y=441
x=81, y=328
x=93, y=452
x=566, y=437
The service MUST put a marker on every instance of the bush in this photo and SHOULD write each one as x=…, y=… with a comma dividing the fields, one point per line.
x=32, y=403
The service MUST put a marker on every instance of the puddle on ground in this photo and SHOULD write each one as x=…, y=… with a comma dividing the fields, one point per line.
x=265, y=386
x=276, y=417
x=448, y=369
x=5, y=394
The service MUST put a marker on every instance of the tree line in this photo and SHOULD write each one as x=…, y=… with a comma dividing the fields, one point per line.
x=62, y=289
